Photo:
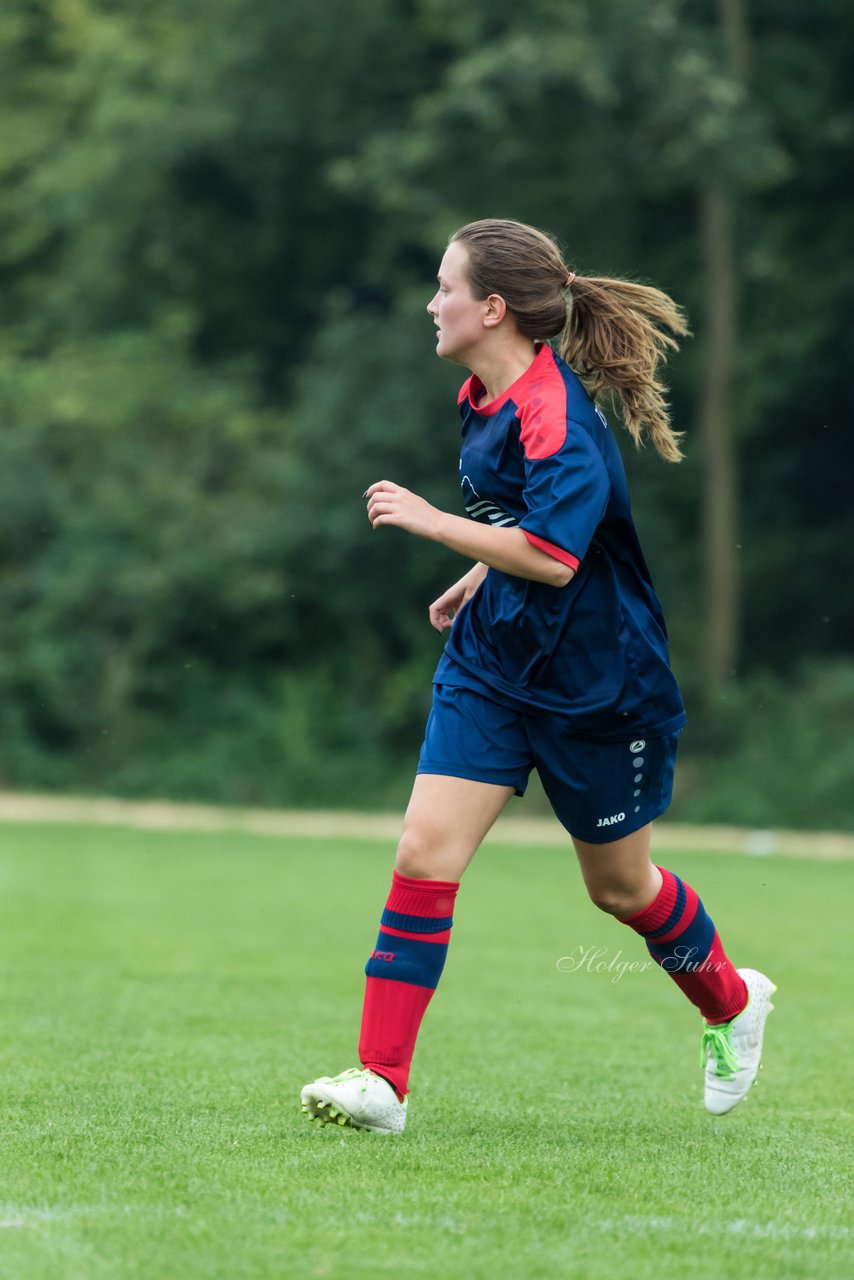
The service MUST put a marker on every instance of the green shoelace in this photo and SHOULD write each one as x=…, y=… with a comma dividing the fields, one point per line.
x=716, y=1042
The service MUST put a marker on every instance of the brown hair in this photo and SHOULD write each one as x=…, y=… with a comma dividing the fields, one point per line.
x=613, y=333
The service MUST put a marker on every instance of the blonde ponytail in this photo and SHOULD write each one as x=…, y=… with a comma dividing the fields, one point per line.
x=617, y=334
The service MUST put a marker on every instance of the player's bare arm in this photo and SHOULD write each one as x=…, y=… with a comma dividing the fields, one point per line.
x=499, y=548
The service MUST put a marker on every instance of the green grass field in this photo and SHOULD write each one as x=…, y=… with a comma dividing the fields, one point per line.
x=165, y=995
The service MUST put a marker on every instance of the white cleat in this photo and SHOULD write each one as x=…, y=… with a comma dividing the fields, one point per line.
x=358, y=1098
x=731, y=1053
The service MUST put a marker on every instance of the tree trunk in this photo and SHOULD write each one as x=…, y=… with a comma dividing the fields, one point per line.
x=721, y=517
x=720, y=484
x=733, y=15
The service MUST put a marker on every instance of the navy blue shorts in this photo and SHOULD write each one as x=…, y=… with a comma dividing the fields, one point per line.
x=600, y=791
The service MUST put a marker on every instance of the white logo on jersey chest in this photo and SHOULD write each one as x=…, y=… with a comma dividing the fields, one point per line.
x=483, y=509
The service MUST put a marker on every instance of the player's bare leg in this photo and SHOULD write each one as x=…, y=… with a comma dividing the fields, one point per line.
x=681, y=937
x=619, y=876
x=445, y=823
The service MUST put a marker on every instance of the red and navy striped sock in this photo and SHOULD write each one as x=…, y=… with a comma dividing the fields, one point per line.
x=681, y=937
x=403, y=972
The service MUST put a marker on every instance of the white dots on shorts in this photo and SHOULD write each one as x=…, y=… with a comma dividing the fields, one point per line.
x=638, y=777
x=637, y=808
x=637, y=793
x=638, y=762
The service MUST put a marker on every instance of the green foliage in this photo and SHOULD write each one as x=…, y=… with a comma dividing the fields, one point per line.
x=147, y=535
x=775, y=753
x=219, y=225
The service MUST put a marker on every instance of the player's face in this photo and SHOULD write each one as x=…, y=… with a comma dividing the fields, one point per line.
x=457, y=315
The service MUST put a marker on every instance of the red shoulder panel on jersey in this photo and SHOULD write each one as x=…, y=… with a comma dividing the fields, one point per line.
x=542, y=412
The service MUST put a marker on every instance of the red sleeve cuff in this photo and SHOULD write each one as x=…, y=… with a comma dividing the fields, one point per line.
x=551, y=550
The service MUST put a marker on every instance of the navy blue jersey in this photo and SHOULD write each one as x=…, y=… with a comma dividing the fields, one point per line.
x=542, y=457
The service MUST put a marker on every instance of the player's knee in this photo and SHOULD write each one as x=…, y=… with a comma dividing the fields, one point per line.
x=419, y=855
x=616, y=899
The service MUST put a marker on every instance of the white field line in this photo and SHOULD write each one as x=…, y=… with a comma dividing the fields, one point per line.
x=21, y=1216
x=12, y=1216
x=640, y=1224
x=17, y=1217
x=156, y=815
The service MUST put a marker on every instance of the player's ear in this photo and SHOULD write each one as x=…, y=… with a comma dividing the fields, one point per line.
x=495, y=310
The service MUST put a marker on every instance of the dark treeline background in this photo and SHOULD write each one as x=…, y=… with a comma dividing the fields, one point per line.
x=220, y=223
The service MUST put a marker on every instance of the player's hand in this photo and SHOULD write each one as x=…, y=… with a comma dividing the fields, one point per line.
x=444, y=610
x=390, y=503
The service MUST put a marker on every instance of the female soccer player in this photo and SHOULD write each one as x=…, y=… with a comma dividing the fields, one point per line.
x=557, y=655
